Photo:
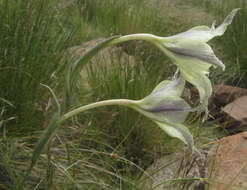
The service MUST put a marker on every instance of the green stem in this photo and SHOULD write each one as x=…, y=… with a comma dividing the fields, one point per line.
x=141, y=36
x=122, y=102
x=155, y=40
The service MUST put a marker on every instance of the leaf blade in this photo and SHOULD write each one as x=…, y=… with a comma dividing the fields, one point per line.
x=44, y=139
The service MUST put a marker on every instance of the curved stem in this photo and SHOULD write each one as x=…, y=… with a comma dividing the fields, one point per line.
x=123, y=102
x=141, y=36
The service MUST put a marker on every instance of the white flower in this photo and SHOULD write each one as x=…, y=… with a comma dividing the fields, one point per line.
x=167, y=109
x=190, y=52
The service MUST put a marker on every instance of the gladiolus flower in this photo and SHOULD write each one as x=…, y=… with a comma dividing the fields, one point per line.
x=167, y=109
x=190, y=52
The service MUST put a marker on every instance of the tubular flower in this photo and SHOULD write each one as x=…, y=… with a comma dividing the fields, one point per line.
x=167, y=109
x=190, y=52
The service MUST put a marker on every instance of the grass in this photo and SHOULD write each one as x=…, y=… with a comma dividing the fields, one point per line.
x=30, y=51
x=107, y=148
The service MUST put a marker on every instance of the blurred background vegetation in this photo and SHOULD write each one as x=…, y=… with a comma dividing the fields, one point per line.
x=107, y=148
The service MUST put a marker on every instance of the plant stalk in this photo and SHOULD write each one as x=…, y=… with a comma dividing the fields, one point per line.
x=141, y=36
x=122, y=102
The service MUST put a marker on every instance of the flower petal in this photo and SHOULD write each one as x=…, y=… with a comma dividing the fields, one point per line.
x=195, y=71
x=170, y=88
x=201, y=82
x=168, y=109
x=203, y=33
x=178, y=131
x=228, y=20
x=194, y=49
x=198, y=33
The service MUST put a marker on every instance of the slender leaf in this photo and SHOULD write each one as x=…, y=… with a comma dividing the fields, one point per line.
x=49, y=131
x=45, y=137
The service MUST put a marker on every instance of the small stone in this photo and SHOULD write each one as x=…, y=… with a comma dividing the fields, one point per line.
x=237, y=109
x=224, y=94
x=235, y=114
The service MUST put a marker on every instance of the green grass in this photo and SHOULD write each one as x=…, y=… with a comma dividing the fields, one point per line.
x=123, y=17
x=31, y=46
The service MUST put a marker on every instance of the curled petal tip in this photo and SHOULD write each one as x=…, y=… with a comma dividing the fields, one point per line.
x=229, y=18
x=236, y=10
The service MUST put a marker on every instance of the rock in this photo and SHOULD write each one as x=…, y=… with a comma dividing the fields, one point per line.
x=64, y=4
x=227, y=163
x=104, y=60
x=224, y=94
x=162, y=174
x=106, y=54
x=237, y=109
x=236, y=114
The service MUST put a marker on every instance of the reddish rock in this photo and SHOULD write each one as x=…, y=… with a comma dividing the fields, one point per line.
x=227, y=161
x=237, y=109
x=224, y=94
x=232, y=116
x=236, y=114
